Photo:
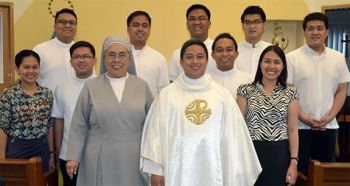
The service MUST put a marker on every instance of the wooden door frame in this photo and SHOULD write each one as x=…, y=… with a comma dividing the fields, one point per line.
x=9, y=71
x=334, y=7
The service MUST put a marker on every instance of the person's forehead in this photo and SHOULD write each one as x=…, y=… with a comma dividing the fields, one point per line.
x=82, y=49
x=117, y=47
x=224, y=41
x=197, y=12
x=140, y=18
x=194, y=47
x=252, y=16
x=67, y=16
x=315, y=23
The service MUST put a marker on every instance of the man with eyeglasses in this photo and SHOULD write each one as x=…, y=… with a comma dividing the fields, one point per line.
x=198, y=24
x=253, y=25
x=54, y=54
x=151, y=65
x=65, y=97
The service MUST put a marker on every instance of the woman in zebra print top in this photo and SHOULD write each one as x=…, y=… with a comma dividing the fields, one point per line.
x=270, y=109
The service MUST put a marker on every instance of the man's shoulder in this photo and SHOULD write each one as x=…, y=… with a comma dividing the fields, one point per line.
x=154, y=52
x=43, y=45
x=296, y=52
x=243, y=74
x=334, y=52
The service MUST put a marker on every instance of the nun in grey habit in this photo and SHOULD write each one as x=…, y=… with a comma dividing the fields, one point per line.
x=107, y=123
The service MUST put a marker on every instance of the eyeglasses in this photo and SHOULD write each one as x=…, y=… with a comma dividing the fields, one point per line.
x=66, y=22
x=83, y=57
x=113, y=55
x=254, y=22
x=200, y=18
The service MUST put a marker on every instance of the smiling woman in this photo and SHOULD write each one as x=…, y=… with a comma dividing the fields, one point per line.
x=32, y=134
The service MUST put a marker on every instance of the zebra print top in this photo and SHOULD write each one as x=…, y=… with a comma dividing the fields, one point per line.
x=266, y=116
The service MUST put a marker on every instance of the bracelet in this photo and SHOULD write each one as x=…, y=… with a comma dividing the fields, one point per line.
x=52, y=152
x=295, y=158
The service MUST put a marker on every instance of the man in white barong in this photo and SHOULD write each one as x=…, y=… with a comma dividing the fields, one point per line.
x=224, y=52
x=150, y=64
x=194, y=133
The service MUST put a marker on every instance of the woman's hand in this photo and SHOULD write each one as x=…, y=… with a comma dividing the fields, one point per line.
x=52, y=164
x=157, y=180
x=292, y=173
x=72, y=168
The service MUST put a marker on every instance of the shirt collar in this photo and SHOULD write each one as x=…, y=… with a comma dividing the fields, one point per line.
x=249, y=45
x=61, y=44
x=202, y=83
x=312, y=51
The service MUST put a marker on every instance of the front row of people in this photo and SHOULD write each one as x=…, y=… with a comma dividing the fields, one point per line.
x=194, y=133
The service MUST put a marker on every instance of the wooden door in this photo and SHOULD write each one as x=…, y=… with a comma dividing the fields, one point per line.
x=6, y=46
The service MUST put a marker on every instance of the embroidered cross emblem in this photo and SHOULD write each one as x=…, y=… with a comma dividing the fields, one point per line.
x=197, y=111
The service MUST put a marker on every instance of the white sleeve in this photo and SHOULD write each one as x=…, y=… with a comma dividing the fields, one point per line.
x=175, y=67
x=57, y=111
x=163, y=76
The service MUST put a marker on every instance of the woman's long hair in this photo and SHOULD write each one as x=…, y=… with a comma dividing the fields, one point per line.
x=282, y=78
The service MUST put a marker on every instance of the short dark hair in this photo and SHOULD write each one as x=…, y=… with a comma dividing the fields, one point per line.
x=226, y=36
x=65, y=10
x=316, y=16
x=253, y=10
x=80, y=44
x=282, y=78
x=191, y=42
x=23, y=54
x=138, y=13
x=198, y=6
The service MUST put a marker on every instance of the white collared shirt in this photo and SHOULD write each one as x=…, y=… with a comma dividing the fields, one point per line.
x=176, y=69
x=54, y=63
x=65, y=98
x=232, y=79
x=248, y=58
x=317, y=78
x=151, y=66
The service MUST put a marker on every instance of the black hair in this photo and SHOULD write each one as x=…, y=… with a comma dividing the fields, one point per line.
x=65, y=10
x=23, y=54
x=82, y=44
x=316, y=16
x=138, y=13
x=224, y=36
x=253, y=10
x=198, y=6
x=282, y=78
x=191, y=42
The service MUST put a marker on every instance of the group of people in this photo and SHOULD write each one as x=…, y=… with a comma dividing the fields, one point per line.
x=225, y=114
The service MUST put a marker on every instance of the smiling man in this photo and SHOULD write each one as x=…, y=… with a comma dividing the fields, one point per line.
x=54, y=54
x=198, y=24
x=65, y=97
x=194, y=133
x=224, y=52
x=151, y=65
x=321, y=75
x=253, y=25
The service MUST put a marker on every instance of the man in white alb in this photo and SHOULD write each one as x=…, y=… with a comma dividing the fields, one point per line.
x=224, y=52
x=198, y=24
x=65, y=97
x=194, y=133
x=253, y=25
x=54, y=54
x=151, y=65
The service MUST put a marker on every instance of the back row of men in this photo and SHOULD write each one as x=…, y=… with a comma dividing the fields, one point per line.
x=320, y=74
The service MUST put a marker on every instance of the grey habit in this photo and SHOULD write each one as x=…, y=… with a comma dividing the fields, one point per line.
x=105, y=134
